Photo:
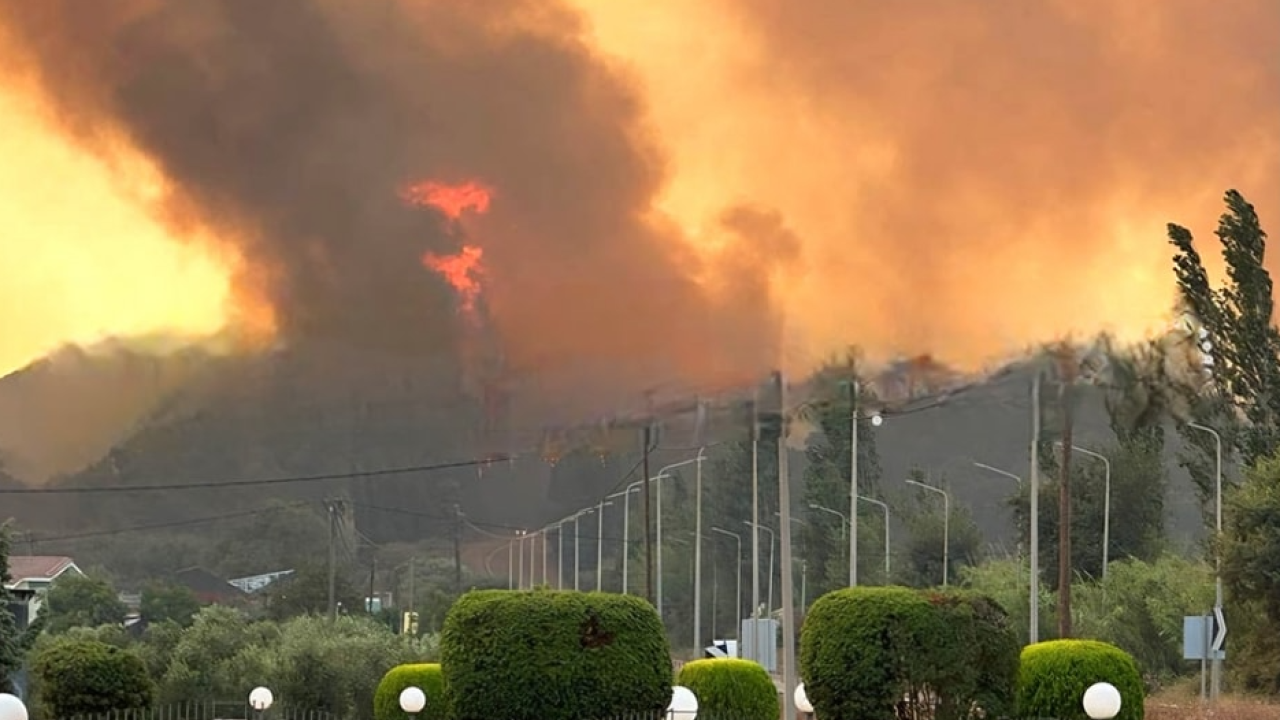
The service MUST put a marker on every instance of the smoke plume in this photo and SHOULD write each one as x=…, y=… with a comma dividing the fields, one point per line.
x=288, y=130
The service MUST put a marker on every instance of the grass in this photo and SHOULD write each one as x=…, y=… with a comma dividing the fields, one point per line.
x=1181, y=704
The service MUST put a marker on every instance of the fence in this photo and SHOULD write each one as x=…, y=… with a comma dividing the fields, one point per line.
x=228, y=710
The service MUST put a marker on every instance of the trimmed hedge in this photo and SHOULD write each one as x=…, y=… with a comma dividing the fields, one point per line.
x=551, y=655
x=731, y=689
x=1053, y=676
x=862, y=650
x=87, y=677
x=427, y=676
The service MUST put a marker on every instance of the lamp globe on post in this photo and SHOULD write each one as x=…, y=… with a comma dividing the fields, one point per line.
x=12, y=708
x=412, y=700
x=802, y=700
x=684, y=704
x=260, y=699
x=1102, y=701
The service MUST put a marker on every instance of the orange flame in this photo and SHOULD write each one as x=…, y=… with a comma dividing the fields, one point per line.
x=451, y=200
x=461, y=270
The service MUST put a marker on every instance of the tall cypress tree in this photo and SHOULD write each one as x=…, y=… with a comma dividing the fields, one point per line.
x=10, y=646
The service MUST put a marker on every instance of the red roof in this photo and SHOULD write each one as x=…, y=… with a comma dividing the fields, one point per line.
x=37, y=567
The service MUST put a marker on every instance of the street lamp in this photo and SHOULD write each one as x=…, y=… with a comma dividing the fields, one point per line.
x=1216, y=682
x=260, y=699
x=802, y=700
x=1101, y=701
x=626, y=528
x=1033, y=598
x=697, y=553
x=946, y=524
x=844, y=519
x=1106, y=503
x=684, y=704
x=885, y=507
x=12, y=708
x=737, y=611
x=412, y=700
x=855, y=388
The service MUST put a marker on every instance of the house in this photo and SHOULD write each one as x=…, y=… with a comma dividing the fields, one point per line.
x=32, y=576
x=209, y=589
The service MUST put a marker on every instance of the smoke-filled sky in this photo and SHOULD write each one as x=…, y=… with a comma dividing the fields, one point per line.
x=961, y=178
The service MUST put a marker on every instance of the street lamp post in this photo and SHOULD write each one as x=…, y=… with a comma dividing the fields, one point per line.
x=885, y=507
x=844, y=519
x=768, y=601
x=1216, y=670
x=260, y=699
x=1106, y=503
x=600, y=546
x=625, y=494
x=737, y=611
x=946, y=524
x=12, y=708
x=662, y=474
x=1033, y=599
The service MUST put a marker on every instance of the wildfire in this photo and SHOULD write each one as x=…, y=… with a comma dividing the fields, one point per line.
x=461, y=270
x=451, y=200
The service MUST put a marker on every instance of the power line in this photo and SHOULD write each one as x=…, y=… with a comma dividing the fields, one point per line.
x=165, y=525
x=295, y=479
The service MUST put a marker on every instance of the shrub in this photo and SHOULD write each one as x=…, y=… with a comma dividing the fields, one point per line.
x=731, y=689
x=863, y=649
x=1053, y=676
x=87, y=677
x=427, y=676
x=545, y=655
x=855, y=649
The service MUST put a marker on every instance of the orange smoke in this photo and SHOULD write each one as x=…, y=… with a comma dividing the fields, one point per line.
x=462, y=270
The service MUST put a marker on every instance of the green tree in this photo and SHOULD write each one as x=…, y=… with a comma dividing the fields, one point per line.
x=82, y=601
x=1251, y=549
x=307, y=591
x=824, y=537
x=10, y=647
x=169, y=602
x=922, y=517
x=1245, y=343
x=88, y=677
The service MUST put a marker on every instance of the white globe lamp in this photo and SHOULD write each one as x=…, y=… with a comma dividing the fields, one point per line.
x=12, y=708
x=1102, y=701
x=877, y=420
x=260, y=698
x=412, y=700
x=802, y=700
x=684, y=704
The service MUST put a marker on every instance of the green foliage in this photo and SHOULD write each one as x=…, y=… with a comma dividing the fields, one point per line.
x=82, y=601
x=862, y=649
x=309, y=662
x=547, y=655
x=307, y=591
x=731, y=689
x=1251, y=552
x=1053, y=676
x=10, y=638
x=1246, y=343
x=85, y=677
x=163, y=602
x=426, y=676
x=921, y=516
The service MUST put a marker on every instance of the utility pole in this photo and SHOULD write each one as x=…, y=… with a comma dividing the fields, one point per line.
x=788, y=578
x=648, y=516
x=1034, y=600
x=1068, y=372
x=373, y=578
x=853, y=480
x=457, y=549
x=755, y=528
x=412, y=574
x=332, y=505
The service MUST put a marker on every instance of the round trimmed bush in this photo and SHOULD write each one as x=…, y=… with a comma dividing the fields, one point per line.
x=551, y=655
x=427, y=676
x=1053, y=676
x=863, y=650
x=88, y=677
x=857, y=647
x=731, y=689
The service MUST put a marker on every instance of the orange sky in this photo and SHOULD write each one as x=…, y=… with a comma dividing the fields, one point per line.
x=82, y=259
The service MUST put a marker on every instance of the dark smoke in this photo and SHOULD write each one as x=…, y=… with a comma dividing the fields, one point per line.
x=288, y=126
